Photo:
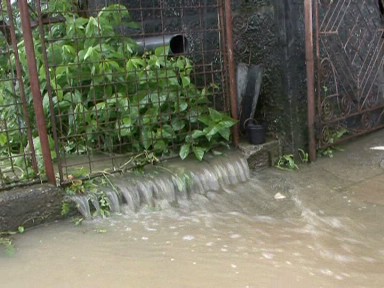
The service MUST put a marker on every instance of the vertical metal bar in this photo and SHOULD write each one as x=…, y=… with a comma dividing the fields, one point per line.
x=35, y=89
x=49, y=90
x=232, y=69
x=222, y=47
x=19, y=74
x=309, y=55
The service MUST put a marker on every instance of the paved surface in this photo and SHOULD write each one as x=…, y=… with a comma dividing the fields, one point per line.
x=357, y=170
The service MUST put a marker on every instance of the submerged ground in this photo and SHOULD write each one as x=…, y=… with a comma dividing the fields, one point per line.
x=325, y=228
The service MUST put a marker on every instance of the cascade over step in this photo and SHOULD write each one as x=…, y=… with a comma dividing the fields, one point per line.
x=167, y=184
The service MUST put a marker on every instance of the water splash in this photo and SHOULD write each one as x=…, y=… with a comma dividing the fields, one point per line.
x=82, y=204
x=173, y=182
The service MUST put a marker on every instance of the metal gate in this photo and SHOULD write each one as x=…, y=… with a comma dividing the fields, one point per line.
x=348, y=70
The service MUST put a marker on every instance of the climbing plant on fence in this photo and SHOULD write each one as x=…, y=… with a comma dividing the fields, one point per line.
x=104, y=92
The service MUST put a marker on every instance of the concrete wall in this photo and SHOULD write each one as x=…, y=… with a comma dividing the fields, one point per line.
x=271, y=32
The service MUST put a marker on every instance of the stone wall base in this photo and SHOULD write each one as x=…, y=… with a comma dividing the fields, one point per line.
x=261, y=156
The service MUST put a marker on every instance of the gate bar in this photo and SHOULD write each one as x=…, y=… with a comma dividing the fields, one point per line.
x=49, y=90
x=35, y=89
x=310, y=63
x=232, y=70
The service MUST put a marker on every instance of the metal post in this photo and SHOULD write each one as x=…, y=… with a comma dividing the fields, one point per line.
x=232, y=69
x=49, y=91
x=310, y=78
x=35, y=89
x=19, y=75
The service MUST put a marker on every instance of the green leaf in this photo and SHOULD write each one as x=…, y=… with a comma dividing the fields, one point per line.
x=181, y=106
x=165, y=132
x=21, y=229
x=227, y=123
x=57, y=89
x=225, y=133
x=3, y=139
x=186, y=81
x=211, y=131
x=184, y=151
x=157, y=98
x=46, y=106
x=54, y=54
x=115, y=14
x=160, y=146
x=146, y=138
x=162, y=51
x=134, y=63
x=197, y=133
x=127, y=121
x=68, y=51
x=60, y=71
x=199, y=152
x=91, y=29
x=205, y=119
x=177, y=124
x=215, y=115
x=88, y=53
x=180, y=63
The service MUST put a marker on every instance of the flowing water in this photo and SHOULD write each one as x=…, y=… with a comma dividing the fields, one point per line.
x=219, y=226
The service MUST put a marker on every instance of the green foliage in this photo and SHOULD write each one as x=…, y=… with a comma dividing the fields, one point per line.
x=304, y=156
x=216, y=130
x=96, y=188
x=287, y=163
x=333, y=138
x=65, y=208
x=6, y=240
x=8, y=245
x=105, y=93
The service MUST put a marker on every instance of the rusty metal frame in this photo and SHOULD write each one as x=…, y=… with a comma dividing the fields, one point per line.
x=231, y=70
x=35, y=89
x=346, y=99
x=20, y=80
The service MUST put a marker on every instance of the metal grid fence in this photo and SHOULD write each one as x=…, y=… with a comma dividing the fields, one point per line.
x=18, y=162
x=120, y=83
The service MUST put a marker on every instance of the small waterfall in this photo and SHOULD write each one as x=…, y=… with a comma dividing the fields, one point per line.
x=82, y=204
x=114, y=202
x=172, y=182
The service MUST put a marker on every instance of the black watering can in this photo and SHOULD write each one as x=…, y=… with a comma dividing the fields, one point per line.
x=256, y=132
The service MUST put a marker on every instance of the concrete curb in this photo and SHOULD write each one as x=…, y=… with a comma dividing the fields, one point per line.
x=33, y=205
x=30, y=206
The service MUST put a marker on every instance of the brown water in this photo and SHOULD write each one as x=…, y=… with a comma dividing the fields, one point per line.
x=241, y=236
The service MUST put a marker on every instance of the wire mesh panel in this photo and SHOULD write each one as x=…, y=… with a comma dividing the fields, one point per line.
x=350, y=73
x=129, y=81
x=17, y=153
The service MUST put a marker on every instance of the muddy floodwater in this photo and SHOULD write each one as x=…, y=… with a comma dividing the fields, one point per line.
x=279, y=229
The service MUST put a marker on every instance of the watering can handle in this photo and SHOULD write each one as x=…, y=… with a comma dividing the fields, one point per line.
x=246, y=122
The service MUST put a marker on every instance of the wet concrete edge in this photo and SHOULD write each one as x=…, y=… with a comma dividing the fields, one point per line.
x=30, y=206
